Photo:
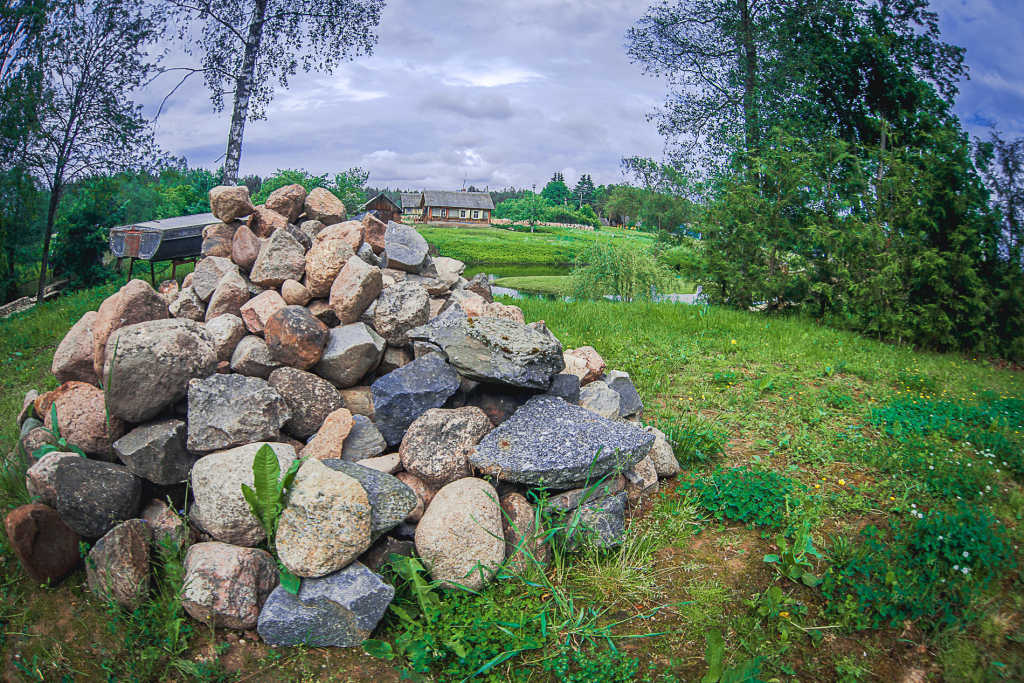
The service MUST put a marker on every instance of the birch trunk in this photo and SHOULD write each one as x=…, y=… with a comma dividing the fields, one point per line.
x=243, y=91
x=51, y=214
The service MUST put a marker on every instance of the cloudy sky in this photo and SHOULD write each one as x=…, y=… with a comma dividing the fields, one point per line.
x=506, y=92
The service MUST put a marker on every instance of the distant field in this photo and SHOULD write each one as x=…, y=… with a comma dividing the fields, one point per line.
x=496, y=245
x=559, y=284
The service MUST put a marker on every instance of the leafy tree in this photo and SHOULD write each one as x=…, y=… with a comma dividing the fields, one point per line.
x=21, y=29
x=1001, y=163
x=95, y=56
x=530, y=209
x=91, y=207
x=556, y=191
x=22, y=204
x=246, y=43
x=348, y=186
x=628, y=270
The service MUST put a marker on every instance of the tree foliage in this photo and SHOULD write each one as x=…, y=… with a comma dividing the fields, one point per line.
x=627, y=270
x=556, y=191
x=348, y=186
x=244, y=45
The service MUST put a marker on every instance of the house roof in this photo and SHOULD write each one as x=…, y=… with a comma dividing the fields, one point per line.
x=384, y=198
x=410, y=199
x=459, y=200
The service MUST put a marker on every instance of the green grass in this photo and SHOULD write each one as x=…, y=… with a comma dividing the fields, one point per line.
x=559, y=285
x=495, y=245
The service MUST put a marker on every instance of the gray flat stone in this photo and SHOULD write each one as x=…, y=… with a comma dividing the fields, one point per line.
x=629, y=400
x=338, y=610
x=232, y=410
x=402, y=395
x=391, y=501
x=548, y=442
x=498, y=351
x=351, y=352
x=157, y=452
x=600, y=523
x=406, y=248
x=363, y=440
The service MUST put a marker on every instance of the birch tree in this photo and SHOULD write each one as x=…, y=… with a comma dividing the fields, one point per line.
x=94, y=54
x=246, y=44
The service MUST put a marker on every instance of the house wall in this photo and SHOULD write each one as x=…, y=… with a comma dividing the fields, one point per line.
x=452, y=213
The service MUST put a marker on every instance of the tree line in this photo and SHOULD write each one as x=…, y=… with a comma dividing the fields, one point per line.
x=821, y=163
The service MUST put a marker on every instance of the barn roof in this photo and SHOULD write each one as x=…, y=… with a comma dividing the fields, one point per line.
x=460, y=200
x=382, y=197
x=410, y=199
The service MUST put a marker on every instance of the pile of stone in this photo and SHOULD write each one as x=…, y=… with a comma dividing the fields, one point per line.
x=424, y=412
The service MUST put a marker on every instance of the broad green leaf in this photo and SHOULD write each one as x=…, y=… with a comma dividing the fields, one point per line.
x=714, y=655
x=289, y=476
x=771, y=558
x=266, y=471
x=378, y=649
x=54, y=428
x=252, y=500
x=44, y=450
x=289, y=581
x=810, y=579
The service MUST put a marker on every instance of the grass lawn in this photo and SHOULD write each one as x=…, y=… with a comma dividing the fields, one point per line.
x=499, y=245
x=897, y=461
x=558, y=284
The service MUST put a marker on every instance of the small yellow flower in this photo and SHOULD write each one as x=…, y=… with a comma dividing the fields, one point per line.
x=733, y=341
x=817, y=486
x=892, y=497
x=842, y=482
x=784, y=615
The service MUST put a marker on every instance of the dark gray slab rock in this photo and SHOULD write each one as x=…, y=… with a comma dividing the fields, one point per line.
x=548, y=442
x=629, y=400
x=351, y=352
x=157, y=452
x=600, y=523
x=232, y=410
x=148, y=366
x=363, y=440
x=498, y=351
x=451, y=316
x=118, y=565
x=402, y=395
x=338, y=610
x=566, y=387
x=251, y=358
x=366, y=253
x=93, y=497
x=310, y=400
x=406, y=248
x=391, y=501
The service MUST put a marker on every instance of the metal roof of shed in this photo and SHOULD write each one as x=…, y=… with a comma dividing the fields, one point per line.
x=460, y=200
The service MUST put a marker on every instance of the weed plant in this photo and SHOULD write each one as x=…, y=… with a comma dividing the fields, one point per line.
x=740, y=494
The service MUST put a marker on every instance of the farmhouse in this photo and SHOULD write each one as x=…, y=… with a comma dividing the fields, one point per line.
x=456, y=207
x=411, y=205
x=385, y=208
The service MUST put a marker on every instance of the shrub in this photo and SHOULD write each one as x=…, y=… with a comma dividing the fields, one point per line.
x=627, y=270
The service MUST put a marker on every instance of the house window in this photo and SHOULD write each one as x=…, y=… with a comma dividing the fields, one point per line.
x=462, y=213
x=476, y=214
x=438, y=213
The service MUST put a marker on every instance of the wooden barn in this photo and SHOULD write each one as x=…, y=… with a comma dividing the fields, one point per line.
x=456, y=207
x=387, y=209
x=411, y=205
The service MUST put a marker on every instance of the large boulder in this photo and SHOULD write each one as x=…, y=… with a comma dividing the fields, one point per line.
x=600, y=523
x=229, y=202
x=265, y=222
x=245, y=248
x=231, y=294
x=217, y=239
x=460, y=537
x=281, y=258
x=149, y=365
x=449, y=269
x=74, y=359
x=339, y=610
x=252, y=358
x=497, y=351
x=524, y=542
x=226, y=585
x=310, y=400
x=404, y=394
x=188, y=305
x=157, y=451
x=595, y=365
x=326, y=522
x=136, y=302
x=118, y=565
x=355, y=288
x=295, y=337
x=480, y=285
x=232, y=410
x=374, y=233
x=225, y=331
x=437, y=445
x=46, y=547
x=258, y=310
x=350, y=232
x=363, y=440
x=391, y=501
x=548, y=442
x=330, y=439
x=40, y=478
x=208, y=274
x=598, y=398
x=400, y=308
x=219, y=509
x=94, y=497
x=83, y=420
x=406, y=248
x=351, y=352
x=323, y=206
x=287, y=201
x=323, y=263
x=629, y=401
x=662, y=455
